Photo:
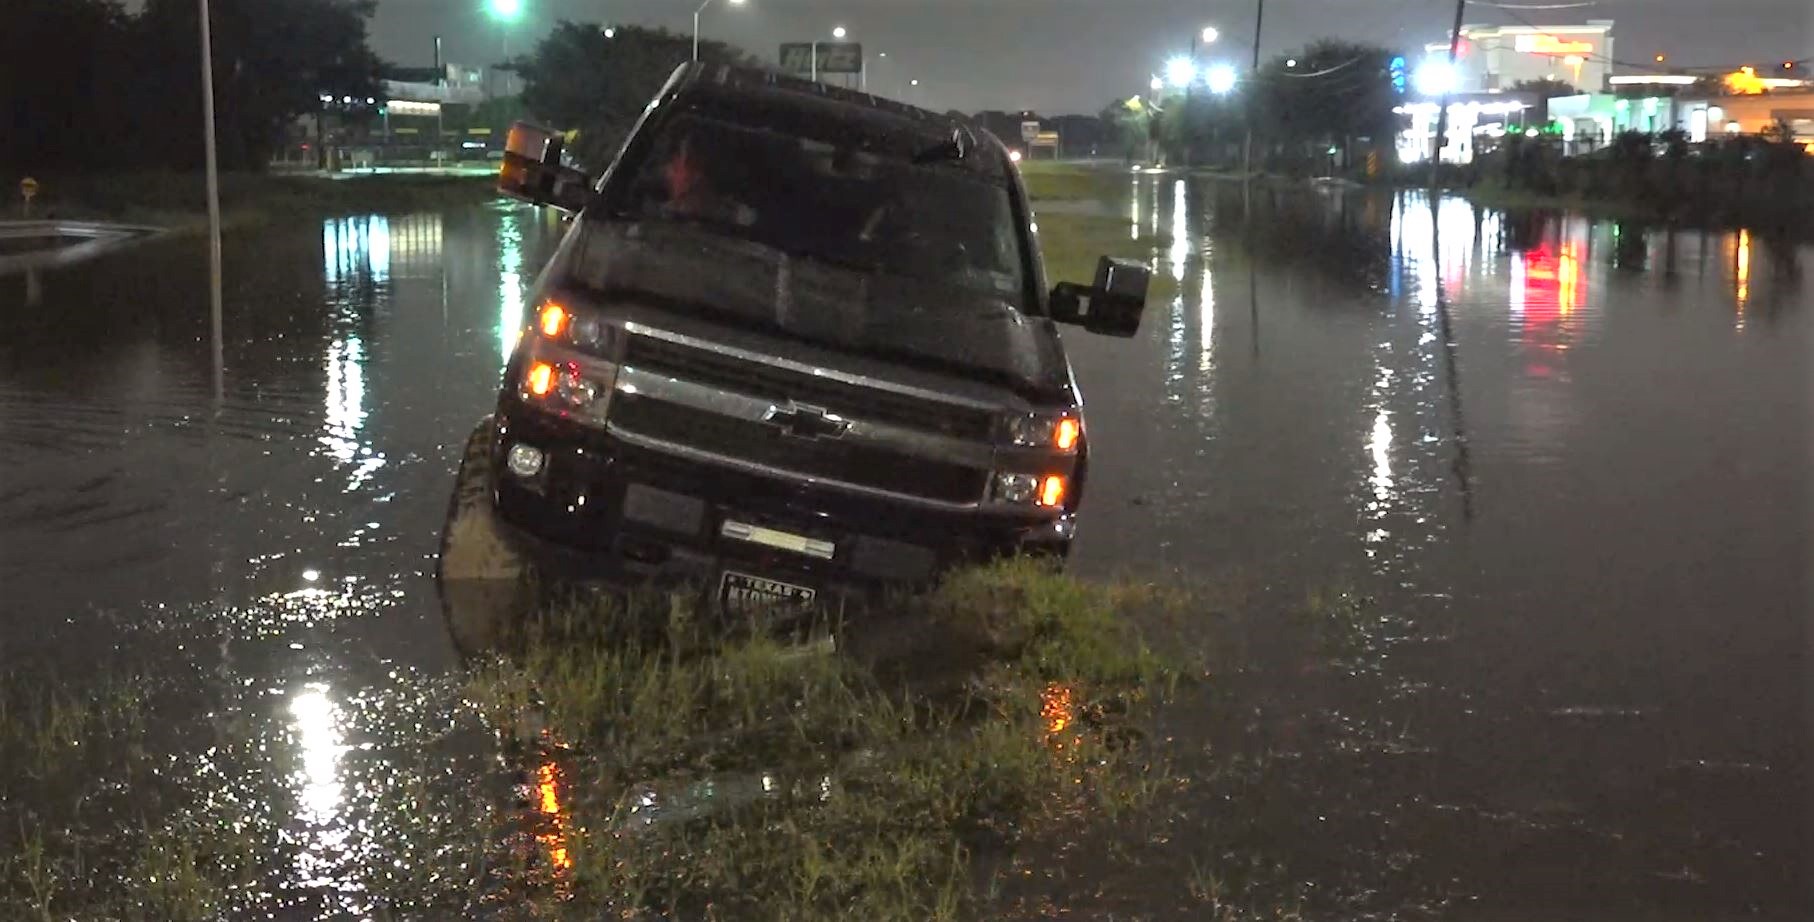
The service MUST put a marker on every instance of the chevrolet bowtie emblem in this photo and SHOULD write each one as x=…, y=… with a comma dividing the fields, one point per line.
x=803, y=422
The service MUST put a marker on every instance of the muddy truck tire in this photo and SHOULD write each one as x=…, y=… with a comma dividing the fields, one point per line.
x=483, y=577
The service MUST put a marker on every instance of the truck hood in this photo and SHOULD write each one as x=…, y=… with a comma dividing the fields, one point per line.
x=917, y=321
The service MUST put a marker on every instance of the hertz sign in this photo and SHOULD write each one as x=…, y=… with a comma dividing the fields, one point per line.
x=1550, y=44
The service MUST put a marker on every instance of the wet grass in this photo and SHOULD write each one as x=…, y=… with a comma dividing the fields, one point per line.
x=807, y=784
x=1053, y=181
x=178, y=200
x=656, y=763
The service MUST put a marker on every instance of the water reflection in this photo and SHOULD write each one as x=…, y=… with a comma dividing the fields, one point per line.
x=355, y=251
x=1133, y=198
x=553, y=837
x=510, y=283
x=1742, y=279
x=316, y=727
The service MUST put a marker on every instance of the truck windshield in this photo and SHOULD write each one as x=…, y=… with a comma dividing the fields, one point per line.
x=813, y=199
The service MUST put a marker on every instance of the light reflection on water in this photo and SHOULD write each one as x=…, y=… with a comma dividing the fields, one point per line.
x=510, y=284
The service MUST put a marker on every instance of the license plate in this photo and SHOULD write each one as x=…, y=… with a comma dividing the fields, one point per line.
x=741, y=592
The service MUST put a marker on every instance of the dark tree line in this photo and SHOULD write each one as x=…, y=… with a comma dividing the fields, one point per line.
x=1332, y=94
x=584, y=78
x=85, y=85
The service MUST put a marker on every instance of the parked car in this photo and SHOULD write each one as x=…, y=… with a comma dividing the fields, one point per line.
x=797, y=345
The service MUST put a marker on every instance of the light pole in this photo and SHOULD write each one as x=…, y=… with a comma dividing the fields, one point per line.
x=703, y=4
x=213, y=169
x=506, y=12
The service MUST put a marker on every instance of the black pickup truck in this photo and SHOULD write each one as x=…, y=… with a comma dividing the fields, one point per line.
x=797, y=344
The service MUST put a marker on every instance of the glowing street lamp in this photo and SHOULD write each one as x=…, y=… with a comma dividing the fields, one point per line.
x=839, y=32
x=1158, y=84
x=1180, y=72
x=1434, y=77
x=1221, y=79
x=505, y=12
x=702, y=5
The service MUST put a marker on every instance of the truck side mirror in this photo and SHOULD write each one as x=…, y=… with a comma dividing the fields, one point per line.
x=532, y=170
x=1112, y=306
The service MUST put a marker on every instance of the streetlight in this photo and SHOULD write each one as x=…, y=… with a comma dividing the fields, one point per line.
x=1221, y=79
x=839, y=32
x=1180, y=72
x=1157, y=84
x=701, y=9
x=1210, y=35
x=1434, y=77
x=505, y=12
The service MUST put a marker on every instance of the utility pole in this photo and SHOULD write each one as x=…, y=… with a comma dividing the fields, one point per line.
x=1442, y=110
x=213, y=165
x=1259, y=19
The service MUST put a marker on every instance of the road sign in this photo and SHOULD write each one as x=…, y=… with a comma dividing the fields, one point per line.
x=840, y=58
x=28, y=187
x=1029, y=131
x=834, y=58
x=797, y=58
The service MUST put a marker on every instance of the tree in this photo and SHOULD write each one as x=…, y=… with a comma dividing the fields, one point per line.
x=61, y=73
x=273, y=61
x=1546, y=88
x=1126, y=121
x=581, y=78
x=1332, y=93
x=89, y=86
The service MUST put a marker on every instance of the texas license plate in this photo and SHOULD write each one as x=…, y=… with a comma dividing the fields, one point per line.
x=741, y=592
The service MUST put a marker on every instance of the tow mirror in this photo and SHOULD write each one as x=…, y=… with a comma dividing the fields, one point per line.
x=1112, y=306
x=533, y=172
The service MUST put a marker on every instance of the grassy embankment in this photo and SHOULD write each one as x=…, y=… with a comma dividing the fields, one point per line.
x=179, y=200
x=1080, y=218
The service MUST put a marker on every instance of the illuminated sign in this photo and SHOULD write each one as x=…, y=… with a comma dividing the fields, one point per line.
x=1549, y=44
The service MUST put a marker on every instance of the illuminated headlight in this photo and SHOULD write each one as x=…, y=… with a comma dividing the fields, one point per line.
x=579, y=328
x=582, y=388
x=1043, y=430
x=1017, y=489
x=524, y=461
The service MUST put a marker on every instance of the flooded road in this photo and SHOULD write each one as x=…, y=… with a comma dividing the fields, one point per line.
x=1565, y=460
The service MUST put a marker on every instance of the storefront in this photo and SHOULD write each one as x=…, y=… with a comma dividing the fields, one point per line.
x=1492, y=58
x=1476, y=123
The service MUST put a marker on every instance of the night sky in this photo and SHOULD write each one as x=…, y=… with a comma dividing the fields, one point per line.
x=1059, y=56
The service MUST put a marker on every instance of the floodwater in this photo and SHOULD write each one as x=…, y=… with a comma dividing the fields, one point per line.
x=1565, y=462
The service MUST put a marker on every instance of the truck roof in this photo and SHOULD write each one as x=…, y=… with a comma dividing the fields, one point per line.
x=755, y=92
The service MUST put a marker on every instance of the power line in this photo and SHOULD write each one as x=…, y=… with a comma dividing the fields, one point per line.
x=1535, y=6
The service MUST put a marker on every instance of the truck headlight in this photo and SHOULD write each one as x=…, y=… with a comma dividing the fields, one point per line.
x=579, y=328
x=581, y=389
x=1049, y=490
x=1059, y=432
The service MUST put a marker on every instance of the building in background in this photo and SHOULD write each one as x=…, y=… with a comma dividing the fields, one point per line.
x=1491, y=58
x=425, y=116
